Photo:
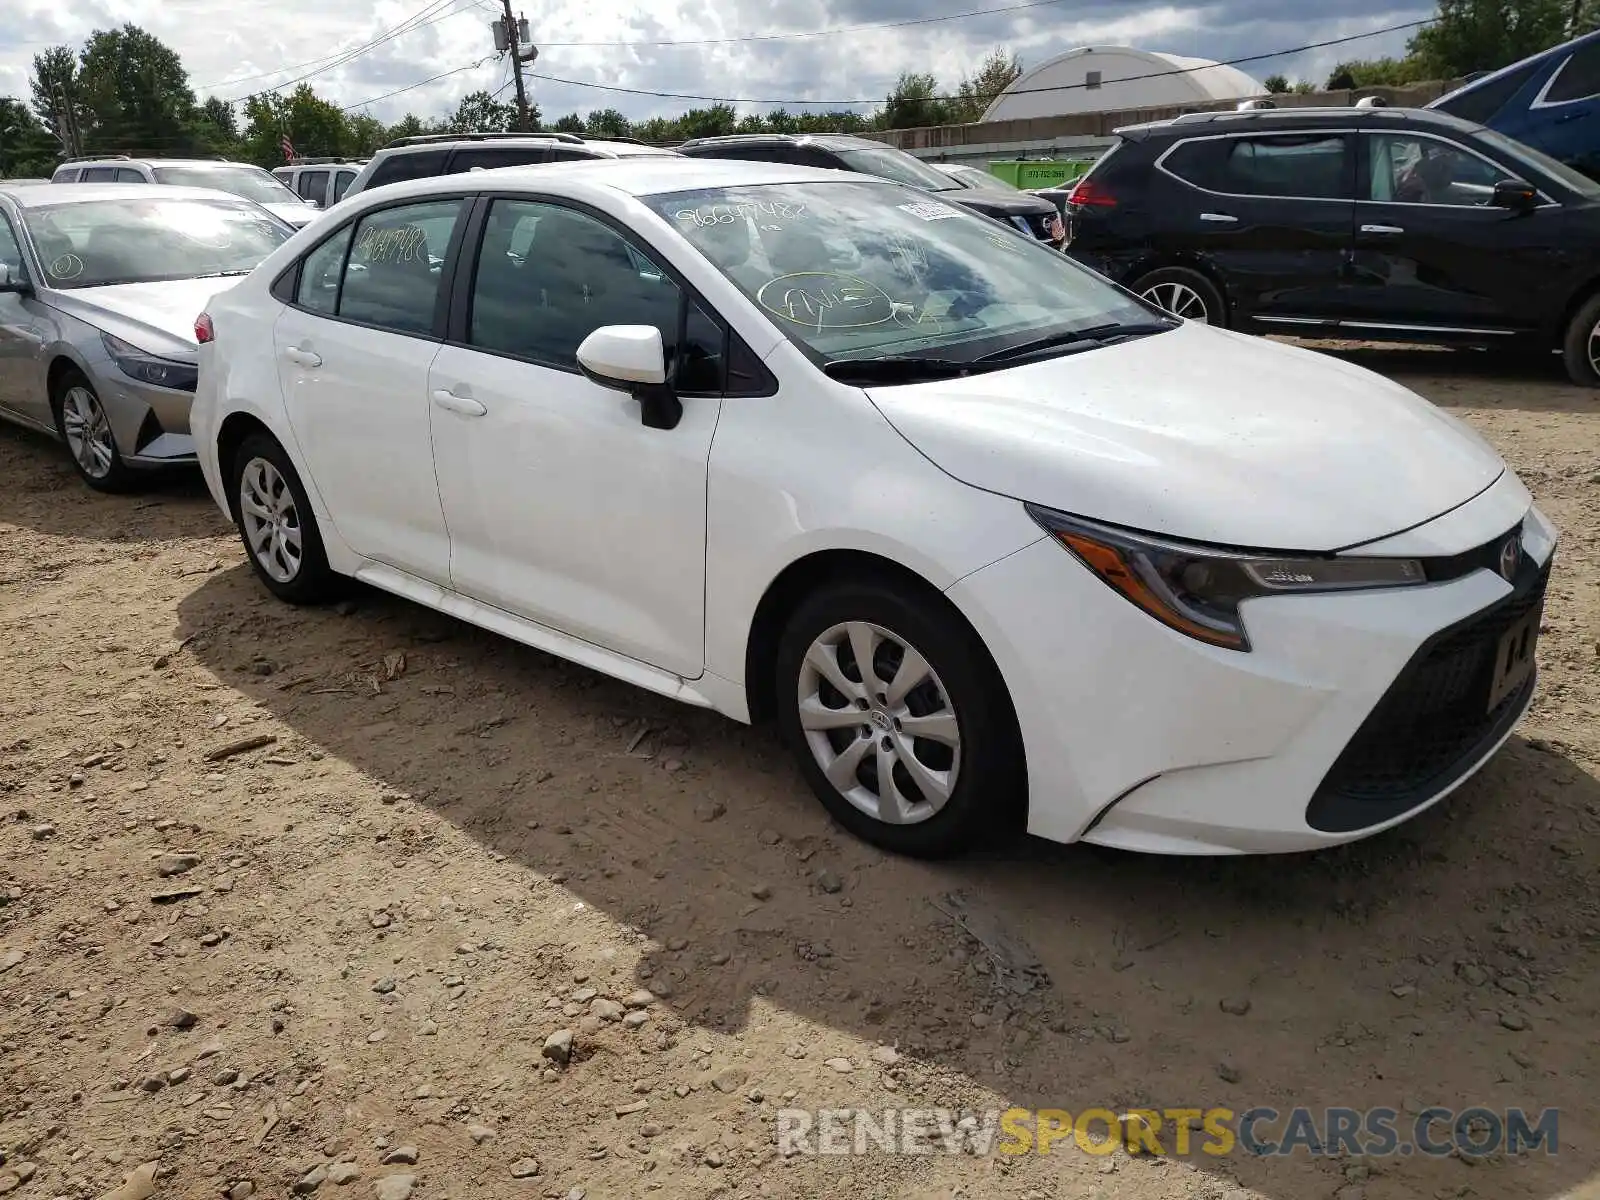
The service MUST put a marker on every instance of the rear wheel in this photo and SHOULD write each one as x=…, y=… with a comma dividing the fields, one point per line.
x=1580, y=350
x=1183, y=293
x=83, y=425
x=899, y=719
x=277, y=525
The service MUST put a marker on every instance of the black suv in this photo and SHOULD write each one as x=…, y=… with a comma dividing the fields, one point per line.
x=1369, y=223
x=430, y=154
x=841, y=152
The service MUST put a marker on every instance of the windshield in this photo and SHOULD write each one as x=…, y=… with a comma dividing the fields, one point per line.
x=896, y=165
x=1564, y=175
x=97, y=242
x=250, y=182
x=977, y=177
x=850, y=270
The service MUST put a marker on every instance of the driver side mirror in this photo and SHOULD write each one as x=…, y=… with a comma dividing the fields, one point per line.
x=630, y=358
x=13, y=284
x=1515, y=195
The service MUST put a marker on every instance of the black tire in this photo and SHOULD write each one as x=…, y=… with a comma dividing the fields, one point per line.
x=1580, y=349
x=1166, y=282
x=311, y=581
x=117, y=477
x=989, y=790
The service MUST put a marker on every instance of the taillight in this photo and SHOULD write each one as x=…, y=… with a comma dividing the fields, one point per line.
x=1089, y=194
x=203, y=332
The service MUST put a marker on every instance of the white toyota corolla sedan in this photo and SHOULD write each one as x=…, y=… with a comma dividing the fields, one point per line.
x=988, y=536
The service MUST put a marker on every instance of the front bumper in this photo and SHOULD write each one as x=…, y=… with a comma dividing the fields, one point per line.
x=150, y=424
x=1351, y=714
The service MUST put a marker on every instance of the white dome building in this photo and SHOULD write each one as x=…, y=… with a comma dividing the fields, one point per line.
x=1100, y=78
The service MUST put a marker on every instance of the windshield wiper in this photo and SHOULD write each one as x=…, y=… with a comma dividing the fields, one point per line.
x=1084, y=339
x=895, y=368
x=220, y=274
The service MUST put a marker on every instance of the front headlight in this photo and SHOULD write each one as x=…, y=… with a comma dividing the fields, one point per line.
x=149, y=368
x=1197, y=590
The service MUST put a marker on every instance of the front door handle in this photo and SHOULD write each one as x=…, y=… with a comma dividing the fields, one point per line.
x=302, y=358
x=465, y=405
x=1221, y=218
x=1391, y=229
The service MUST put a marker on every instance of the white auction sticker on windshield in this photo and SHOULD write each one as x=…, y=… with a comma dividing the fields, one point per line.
x=928, y=210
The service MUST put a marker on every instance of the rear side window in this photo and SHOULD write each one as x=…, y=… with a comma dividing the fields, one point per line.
x=489, y=157
x=422, y=164
x=99, y=175
x=1311, y=166
x=391, y=277
x=312, y=185
x=129, y=175
x=341, y=185
x=1578, y=78
x=1482, y=102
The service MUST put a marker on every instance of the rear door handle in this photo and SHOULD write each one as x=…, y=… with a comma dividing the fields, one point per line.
x=1222, y=218
x=1381, y=229
x=465, y=405
x=302, y=358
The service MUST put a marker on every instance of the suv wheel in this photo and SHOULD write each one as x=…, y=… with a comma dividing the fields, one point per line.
x=1183, y=293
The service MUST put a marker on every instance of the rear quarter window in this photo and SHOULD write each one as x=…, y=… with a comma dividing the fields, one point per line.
x=1482, y=101
x=421, y=164
x=1578, y=78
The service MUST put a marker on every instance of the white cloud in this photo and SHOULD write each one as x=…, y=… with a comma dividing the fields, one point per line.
x=232, y=51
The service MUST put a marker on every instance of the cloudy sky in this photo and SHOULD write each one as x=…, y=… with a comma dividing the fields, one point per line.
x=736, y=49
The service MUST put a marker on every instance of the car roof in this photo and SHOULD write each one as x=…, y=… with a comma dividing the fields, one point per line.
x=1294, y=118
x=828, y=141
x=155, y=162
x=73, y=193
x=604, y=145
x=636, y=177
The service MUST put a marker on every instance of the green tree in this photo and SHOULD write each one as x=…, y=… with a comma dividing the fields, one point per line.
x=752, y=123
x=1375, y=72
x=914, y=102
x=26, y=146
x=606, y=123
x=137, y=95
x=316, y=127
x=1484, y=35
x=367, y=134
x=1303, y=87
x=1585, y=17
x=996, y=73
x=479, y=112
x=1276, y=85
x=409, y=125
x=780, y=120
x=571, y=123
x=55, y=79
x=715, y=121
x=658, y=131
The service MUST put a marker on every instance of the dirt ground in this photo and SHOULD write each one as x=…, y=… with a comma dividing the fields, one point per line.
x=277, y=970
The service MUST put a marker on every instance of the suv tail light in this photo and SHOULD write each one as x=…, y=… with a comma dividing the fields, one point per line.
x=203, y=332
x=1086, y=193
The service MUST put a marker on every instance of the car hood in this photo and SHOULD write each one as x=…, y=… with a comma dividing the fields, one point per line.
x=156, y=317
x=298, y=215
x=1202, y=435
x=1000, y=204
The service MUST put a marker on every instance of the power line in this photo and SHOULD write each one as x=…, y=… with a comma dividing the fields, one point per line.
x=1063, y=87
x=411, y=87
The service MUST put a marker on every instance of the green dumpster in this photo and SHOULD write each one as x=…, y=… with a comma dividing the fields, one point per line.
x=1037, y=173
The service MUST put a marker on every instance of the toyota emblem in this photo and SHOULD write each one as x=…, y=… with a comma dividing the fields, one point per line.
x=1510, y=556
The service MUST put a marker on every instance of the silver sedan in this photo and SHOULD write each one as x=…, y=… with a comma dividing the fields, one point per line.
x=100, y=285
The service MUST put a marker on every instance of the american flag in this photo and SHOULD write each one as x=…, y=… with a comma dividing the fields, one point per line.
x=288, y=148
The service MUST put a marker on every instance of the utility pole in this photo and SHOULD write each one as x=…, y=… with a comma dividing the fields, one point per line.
x=511, y=34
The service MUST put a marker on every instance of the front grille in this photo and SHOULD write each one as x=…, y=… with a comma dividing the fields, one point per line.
x=1433, y=723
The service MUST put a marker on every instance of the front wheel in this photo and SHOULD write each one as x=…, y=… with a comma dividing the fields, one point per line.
x=1580, y=349
x=899, y=719
x=277, y=525
x=82, y=422
x=1183, y=293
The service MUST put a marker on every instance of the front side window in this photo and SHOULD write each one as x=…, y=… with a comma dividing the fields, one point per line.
x=392, y=275
x=1535, y=161
x=250, y=183
x=312, y=185
x=862, y=269
x=490, y=157
x=97, y=242
x=99, y=175
x=341, y=185
x=1407, y=169
x=11, y=252
x=1299, y=166
x=1578, y=78
x=549, y=276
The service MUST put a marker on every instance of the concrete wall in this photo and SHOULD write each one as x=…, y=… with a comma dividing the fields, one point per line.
x=1084, y=135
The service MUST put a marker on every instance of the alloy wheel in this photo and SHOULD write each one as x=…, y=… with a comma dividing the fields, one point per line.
x=879, y=723
x=271, y=520
x=88, y=432
x=1180, y=300
x=1593, y=348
